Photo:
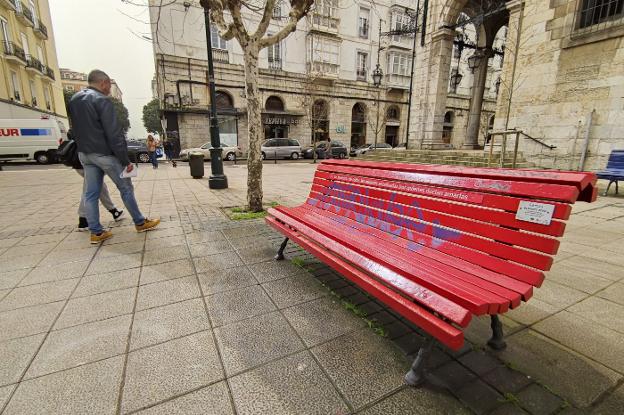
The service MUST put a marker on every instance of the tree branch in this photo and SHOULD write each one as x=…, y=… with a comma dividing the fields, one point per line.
x=266, y=20
x=299, y=8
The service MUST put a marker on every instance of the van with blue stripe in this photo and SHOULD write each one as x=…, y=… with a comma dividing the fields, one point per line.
x=31, y=139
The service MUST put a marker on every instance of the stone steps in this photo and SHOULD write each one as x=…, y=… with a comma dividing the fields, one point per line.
x=452, y=157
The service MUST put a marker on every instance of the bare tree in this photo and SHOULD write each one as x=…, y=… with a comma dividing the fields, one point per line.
x=315, y=108
x=227, y=16
x=377, y=121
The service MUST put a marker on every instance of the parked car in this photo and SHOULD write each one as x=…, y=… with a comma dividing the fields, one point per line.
x=230, y=153
x=338, y=150
x=402, y=146
x=281, y=148
x=369, y=147
x=137, y=151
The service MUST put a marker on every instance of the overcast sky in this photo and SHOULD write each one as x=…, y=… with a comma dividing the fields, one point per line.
x=96, y=34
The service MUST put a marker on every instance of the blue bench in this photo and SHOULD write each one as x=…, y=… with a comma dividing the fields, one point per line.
x=614, y=170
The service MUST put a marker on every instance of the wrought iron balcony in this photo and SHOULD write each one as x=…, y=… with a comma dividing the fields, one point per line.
x=324, y=69
x=361, y=74
x=220, y=55
x=49, y=72
x=13, y=51
x=11, y=4
x=275, y=64
x=24, y=15
x=41, y=31
x=35, y=64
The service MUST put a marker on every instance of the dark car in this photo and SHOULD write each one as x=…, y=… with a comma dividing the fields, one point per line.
x=137, y=151
x=338, y=150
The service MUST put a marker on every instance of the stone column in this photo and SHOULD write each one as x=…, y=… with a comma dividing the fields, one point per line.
x=476, y=101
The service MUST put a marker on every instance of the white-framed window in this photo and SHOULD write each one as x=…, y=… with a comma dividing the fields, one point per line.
x=327, y=8
x=15, y=84
x=41, y=55
x=33, y=92
x=274, y=55
x=25, y=43
x=399, y=21
x=399, y=64
x=33, y=8
x=593, y=12
x=325, y=50
x=216, y=40
x=277, y=10
x=361, y=63
x=5, y=32
x=47, y=96
x=363, y=23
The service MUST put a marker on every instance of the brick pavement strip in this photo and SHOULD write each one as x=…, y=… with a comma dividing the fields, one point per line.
x=195, y=317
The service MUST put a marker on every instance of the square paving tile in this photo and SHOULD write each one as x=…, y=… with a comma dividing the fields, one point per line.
x=165, y=243
x=9, y=242
x=217, y=262
x=595, y=265
x=226, y=280
x=210, y=248
x=55, y=273
x=558, y=295
x=100, y=283
x=166, y=271
x=104, y=265
x=158, y=256
x=25, y=250
x=293, y=385
x=252, y=342
x=164, y=323
x=421, y=401
x=539, y=401
x=96, y=307
x=88, y=389
x=164, y=232
x=160, y=372
x=204, y=236
x=321, y=320
x=256, y=254
x=603, y=312
x=48, y=292
x=211, y=400
x=20, y=262
x=167, y=292
x=124, y=248
x=614, y=293
x=230, y=306
x=74, y=346
x=293, y=290
x=479, y=397
x=63, y=256
x=29, y=320
x=5, y=392
x=15, y=355
x=274, y=270
x=11, y=278
x=42, y=239
x=363, y=365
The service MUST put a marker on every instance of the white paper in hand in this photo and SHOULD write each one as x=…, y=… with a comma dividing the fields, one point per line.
x=133, y=173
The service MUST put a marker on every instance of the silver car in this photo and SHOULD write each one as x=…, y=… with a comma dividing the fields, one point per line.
x=281, y=148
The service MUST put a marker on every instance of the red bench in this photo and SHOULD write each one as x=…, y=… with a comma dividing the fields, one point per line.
x=437, y=244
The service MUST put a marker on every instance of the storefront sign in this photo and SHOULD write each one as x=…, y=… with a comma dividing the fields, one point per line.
x=277, y=120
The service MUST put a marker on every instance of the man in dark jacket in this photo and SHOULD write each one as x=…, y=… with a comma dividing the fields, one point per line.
x=102, y=149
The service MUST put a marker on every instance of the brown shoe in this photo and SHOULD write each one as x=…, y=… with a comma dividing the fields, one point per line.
x=147, y=225
x=100, y=237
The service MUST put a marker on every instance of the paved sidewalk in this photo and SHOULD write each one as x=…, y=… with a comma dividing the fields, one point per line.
x=195, y=317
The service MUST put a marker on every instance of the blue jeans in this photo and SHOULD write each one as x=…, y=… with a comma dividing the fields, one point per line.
x=153, y=158
x=95, y=166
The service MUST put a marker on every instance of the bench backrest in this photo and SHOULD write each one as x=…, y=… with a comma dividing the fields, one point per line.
x=616, y=160
x=503, y=220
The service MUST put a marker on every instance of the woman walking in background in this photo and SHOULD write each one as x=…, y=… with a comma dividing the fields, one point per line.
x=151, y=150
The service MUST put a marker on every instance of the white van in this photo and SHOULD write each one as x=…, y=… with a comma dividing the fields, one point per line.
x=33, y=139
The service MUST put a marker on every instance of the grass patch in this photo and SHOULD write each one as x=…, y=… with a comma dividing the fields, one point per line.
x=511, y=398
x=243, y=213
x=300, y=262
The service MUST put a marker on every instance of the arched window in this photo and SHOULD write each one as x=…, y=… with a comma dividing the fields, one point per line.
x=393, y=113
x=274, y=103
x=224, y=100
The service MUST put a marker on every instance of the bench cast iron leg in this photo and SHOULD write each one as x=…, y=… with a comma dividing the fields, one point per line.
x=416, y=375
x=280, y=253
x=496, y=342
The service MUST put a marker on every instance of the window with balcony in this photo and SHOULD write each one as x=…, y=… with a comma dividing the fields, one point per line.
x=325, y=15
x=363, y=23
x=399, y=21
x=274, y=55
x=216, y=41
x=41, y=55
x=15, y=84
x=277, y=10
x=33, y=92
x=5, y=33
x=325, y=55
x=361, y=65
x=33, y=9
x=46, y=96
x=594, y=12
x=399, y=64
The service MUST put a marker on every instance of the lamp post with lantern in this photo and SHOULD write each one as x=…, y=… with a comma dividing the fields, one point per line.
x=377, y=77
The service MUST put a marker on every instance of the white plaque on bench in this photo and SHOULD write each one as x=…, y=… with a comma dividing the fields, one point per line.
x=535, y=212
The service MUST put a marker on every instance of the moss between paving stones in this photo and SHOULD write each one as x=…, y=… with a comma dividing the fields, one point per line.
x=242, y=213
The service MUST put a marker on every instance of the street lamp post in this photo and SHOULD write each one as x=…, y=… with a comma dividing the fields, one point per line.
x=377, y=76
x=217, y=179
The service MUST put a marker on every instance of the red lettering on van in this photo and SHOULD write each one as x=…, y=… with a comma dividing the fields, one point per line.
x=9, y=132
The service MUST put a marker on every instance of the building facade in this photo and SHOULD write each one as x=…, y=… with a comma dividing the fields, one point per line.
x=30, y=85
x=73, y=81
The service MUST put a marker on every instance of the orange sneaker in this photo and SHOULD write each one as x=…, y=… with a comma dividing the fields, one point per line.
x=147, y=225
x=100, y=237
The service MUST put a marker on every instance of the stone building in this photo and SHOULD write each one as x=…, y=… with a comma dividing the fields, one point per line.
x=73, y=81
x=562, y=81
x=30, y=85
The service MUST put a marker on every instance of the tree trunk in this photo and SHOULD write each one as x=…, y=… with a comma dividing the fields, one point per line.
x=255, y=130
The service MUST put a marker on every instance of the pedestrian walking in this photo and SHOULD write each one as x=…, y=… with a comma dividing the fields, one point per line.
x=175, y=141
x=168, y=146
x=151, y=150
x=102, y=149
x=105, y=199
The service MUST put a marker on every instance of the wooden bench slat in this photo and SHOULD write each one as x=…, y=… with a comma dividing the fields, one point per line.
x=543, y=191
x=400, y=205
x=476, y=299
x=580, y=180
x=525, y=257
x=470, y=211
x=428, y=266
x=437, y=259
x=507, y=203
x=452, y=311
x=441, y=330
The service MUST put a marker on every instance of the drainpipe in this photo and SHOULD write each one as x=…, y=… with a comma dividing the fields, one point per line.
x=586, y=142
